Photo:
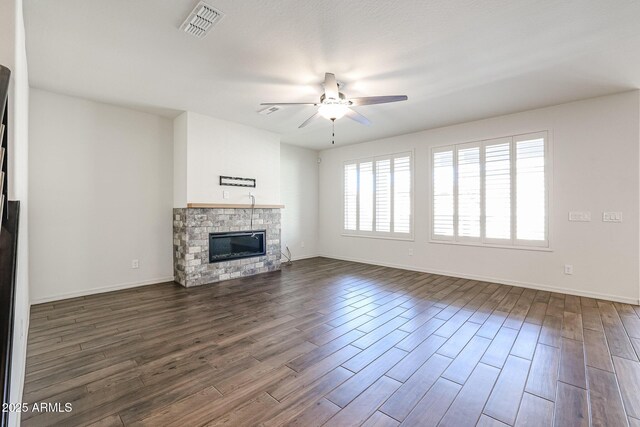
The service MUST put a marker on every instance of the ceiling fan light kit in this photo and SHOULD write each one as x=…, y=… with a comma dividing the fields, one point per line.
x=334, y=104
x=333, y=111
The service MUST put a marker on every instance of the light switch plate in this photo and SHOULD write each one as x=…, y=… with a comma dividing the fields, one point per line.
x=580, y=216
x=611, y=216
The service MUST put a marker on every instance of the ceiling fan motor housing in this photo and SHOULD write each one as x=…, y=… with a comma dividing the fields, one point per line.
x=341, y=98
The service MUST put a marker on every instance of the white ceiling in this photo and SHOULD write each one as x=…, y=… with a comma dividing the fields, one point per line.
x=457, y=60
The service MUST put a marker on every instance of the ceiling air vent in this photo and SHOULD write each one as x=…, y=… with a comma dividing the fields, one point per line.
x=201, y=20
x=269, y=110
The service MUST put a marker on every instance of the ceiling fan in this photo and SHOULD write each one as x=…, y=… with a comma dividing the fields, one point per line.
x=334, y=105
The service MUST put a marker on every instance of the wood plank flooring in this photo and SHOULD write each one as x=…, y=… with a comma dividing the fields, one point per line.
x=327, y=342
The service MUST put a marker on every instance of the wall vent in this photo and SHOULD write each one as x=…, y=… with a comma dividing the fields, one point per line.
x=201, y=20
x=269, y=110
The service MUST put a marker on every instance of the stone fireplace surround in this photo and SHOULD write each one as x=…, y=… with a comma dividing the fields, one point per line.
x=191, y=228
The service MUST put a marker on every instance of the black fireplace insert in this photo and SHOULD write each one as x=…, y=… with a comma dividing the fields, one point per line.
x=236, y=245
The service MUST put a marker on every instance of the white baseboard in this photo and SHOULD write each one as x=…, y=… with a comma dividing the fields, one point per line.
x=518, y=284
x=100, y=290
x=121, y=286
x=298, y=258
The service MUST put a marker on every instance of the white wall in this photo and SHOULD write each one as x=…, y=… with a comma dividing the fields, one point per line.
x=13, y=55
x=595, y=149
x=299, y=189
x=101, y=196
x=180, y=161
x=217, y=147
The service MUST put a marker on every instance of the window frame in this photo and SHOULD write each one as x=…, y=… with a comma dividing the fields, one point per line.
x=442, y=237
x=512, y=214
x=391, y=235
x=483, y=241
x=533, y=243
x=456, y=189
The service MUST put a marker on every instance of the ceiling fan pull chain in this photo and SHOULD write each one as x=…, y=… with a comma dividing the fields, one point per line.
x=333, y=131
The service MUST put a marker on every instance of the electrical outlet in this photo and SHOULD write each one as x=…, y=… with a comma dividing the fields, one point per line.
x=302, y=244
x=135, y=263
x=225, y=194
x=411, y=252
x=568, y=269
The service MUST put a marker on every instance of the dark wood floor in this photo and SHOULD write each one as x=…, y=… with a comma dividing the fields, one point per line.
x=336, y=343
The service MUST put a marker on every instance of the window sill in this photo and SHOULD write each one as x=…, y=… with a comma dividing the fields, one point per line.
x=366, y=236
x=489, y=245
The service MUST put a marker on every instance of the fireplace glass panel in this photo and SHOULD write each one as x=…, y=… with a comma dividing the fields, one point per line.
x=235, y=245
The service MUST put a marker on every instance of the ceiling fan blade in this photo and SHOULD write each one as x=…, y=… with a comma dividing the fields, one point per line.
x=330, y=86
x=309, y=120
x=369, y=100
x=288, y=103
x=354, y=115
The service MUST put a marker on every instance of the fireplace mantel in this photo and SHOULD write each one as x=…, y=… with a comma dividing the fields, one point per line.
x=230, y=206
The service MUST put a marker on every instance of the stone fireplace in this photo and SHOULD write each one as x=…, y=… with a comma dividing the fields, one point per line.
x=193, y=229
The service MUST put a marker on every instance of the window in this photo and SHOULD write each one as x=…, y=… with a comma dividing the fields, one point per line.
x=378, y=196
x=492, y=192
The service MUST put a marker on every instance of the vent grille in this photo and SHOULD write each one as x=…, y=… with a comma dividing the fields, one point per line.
x=201, y=20
x=269, y=110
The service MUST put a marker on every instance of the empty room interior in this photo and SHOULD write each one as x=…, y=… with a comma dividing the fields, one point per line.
x=320, y=213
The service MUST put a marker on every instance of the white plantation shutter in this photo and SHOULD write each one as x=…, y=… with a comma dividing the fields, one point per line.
x=492, y=192
x=468, y=191
x=378, y=196
x=497, y=193
x=402, y=194
x=350, y=196
x=365, y=191
x=531, y=198
x=443, y=202
x=383, y=195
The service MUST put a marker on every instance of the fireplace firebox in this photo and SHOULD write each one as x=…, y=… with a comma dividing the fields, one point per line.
x=236, y=245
